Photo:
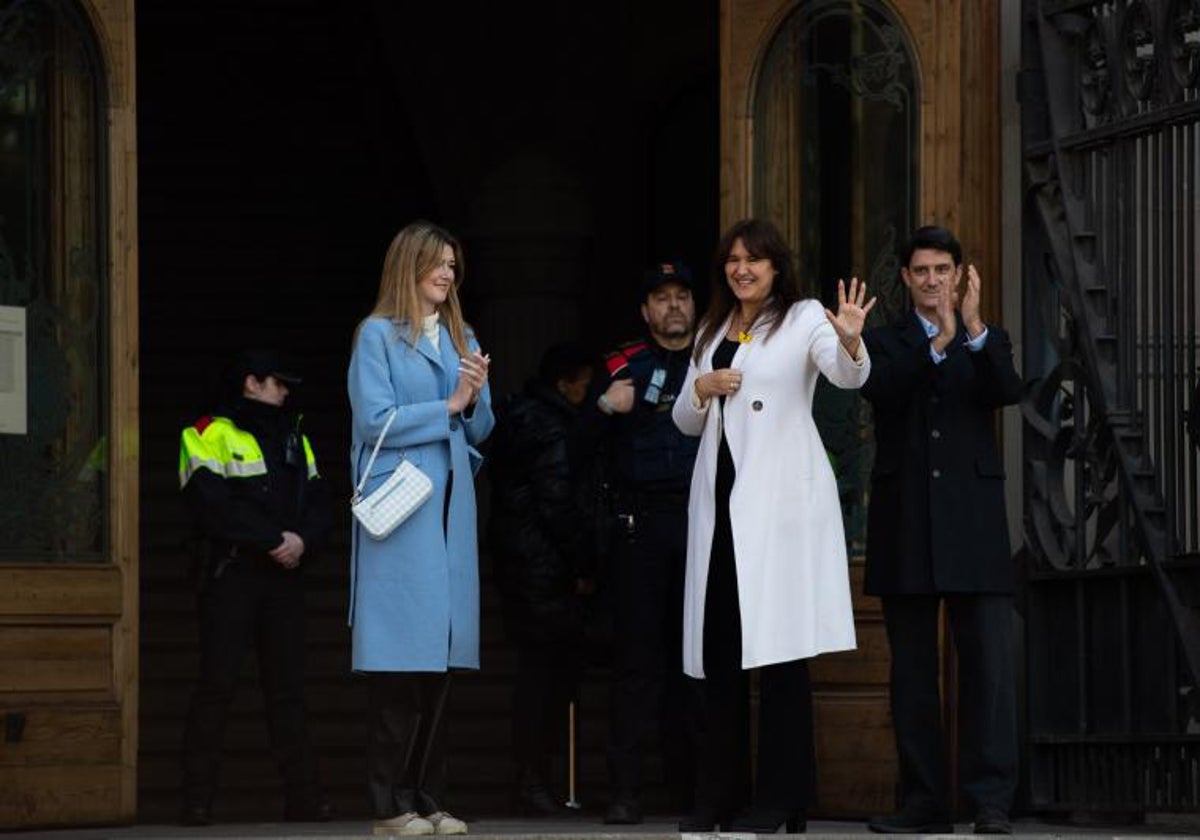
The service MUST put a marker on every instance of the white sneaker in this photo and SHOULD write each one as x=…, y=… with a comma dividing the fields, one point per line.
x=444, y=823
x=407, y=823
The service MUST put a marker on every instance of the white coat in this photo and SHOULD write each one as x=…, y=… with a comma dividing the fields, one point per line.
x=788, y=539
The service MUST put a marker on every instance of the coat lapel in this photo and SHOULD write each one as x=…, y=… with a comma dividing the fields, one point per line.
x=425, y=348
x=449, y=360
x=912, y=331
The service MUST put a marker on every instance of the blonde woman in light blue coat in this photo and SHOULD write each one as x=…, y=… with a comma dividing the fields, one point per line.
x=414, y=595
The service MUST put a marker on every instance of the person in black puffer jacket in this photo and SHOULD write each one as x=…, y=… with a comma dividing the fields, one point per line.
x=542, y=547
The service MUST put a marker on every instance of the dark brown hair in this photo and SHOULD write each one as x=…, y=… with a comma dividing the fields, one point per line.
x=762, y=239
x=936, y=239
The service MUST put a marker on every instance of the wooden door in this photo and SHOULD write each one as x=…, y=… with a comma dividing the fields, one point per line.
x=848, y=123
x=68, y=430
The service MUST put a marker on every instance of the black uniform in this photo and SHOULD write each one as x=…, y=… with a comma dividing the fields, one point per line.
x=650, y=470
x=242, y=501
x=540, y=544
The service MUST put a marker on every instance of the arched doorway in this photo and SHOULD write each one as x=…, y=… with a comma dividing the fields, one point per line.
x=68, y=427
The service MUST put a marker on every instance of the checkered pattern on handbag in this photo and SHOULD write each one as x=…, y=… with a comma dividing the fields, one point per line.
x=392, y=502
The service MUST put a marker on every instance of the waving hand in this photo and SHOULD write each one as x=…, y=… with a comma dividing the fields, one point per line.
x=851, y=314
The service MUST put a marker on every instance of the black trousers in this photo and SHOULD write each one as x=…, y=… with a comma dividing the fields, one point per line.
x=648, y=684
x=253, y=603
x=546, y=682
x=982, y=628
x=406, y=756
x=786, y=767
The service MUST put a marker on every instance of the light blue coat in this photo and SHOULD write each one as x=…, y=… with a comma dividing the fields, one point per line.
x=414, y=597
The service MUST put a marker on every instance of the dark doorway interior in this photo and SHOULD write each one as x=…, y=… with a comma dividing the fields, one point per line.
x=281, y=145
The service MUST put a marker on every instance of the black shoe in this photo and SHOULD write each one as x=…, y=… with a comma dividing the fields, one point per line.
x=912, y=821
x=992, y=821
x=536, y=801
x=316, y=810
x=769, y=821
x=623, y=812
x=192, y=815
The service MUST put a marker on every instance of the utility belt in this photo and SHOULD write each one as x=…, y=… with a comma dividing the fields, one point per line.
x=219, y=555
x=633, y=506
x=236, y=551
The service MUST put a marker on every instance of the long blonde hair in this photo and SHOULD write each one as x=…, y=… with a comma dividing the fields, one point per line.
x=415, y=251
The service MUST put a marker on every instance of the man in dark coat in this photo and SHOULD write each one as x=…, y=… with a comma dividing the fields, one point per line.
x=543, y=549
x=937, y=533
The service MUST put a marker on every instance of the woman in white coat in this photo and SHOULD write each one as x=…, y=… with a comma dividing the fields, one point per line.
x=414, y=599
x=767, y=584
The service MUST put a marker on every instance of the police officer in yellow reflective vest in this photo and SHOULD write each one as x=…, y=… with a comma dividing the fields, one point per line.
x=250, y=480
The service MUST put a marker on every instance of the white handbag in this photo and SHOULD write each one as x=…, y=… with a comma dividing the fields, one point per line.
x=392, y=502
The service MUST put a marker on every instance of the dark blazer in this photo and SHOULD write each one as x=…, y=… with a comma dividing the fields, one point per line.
x=936, y=521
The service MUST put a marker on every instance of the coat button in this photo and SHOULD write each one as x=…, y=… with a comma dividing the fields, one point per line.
x=756, y=405
x=937, y=473
x=933, y=398
x=935, y=434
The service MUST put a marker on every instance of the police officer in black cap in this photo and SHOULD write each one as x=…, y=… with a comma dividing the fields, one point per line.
x=260, y=508
x=650, y=467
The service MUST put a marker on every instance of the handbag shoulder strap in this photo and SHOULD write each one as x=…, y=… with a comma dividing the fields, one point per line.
x=371, y=461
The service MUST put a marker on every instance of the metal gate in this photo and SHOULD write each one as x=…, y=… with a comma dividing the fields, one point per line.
x=1111, y=139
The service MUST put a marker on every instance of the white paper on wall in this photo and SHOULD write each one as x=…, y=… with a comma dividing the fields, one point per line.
x=14, y=392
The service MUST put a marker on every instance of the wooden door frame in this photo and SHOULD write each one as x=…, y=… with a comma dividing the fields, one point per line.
x=100, y=595
x=114, y=22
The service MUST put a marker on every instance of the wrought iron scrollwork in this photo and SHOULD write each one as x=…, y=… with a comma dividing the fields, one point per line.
x=1111, y=482
x=1184, y=34
x=884, y=279
x=1073, y=500
x=1141, y=54
x=873, y=76
x=1096, y=80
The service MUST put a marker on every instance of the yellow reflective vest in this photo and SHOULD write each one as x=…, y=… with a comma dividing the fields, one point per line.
x=217, y=445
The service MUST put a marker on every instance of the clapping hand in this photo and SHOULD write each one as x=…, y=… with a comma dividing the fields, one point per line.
x=472, y=376
x=944, y=319
x=948, y=300
x=851, y=314
x=970, y=304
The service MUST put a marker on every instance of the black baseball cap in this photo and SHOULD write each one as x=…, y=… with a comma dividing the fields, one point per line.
x=263, y=362
x=667, y=271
